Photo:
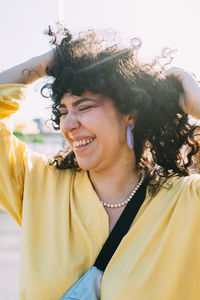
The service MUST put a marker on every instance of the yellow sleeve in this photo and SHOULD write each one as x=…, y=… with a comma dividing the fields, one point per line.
x=194, y=185
x=12, y=154
x=9, y=96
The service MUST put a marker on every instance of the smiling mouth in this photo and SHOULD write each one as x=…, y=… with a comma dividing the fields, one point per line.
x=82, y=143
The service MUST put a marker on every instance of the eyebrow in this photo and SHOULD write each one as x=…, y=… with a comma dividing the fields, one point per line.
x=79, y=101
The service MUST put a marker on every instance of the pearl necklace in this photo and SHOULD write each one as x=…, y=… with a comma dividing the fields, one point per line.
x=122, y=203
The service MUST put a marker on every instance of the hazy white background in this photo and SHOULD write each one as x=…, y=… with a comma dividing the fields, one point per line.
x=172, y=23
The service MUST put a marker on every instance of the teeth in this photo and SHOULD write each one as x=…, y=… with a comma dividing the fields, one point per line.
x=82, y=142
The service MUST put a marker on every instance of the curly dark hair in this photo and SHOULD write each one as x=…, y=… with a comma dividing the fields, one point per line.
x=162, y=130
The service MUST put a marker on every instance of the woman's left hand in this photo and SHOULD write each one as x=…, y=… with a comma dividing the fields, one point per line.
x=190, y=100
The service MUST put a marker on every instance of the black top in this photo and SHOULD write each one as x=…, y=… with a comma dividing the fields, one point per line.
x=121, y=228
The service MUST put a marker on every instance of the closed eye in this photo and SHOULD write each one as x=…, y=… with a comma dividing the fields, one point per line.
x=83, y=108
x=63, y=112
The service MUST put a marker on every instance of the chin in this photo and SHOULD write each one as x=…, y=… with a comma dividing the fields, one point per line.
x=85, y=164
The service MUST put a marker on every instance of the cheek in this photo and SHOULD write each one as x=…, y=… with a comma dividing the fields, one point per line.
x=63, y=131
x=62, y=127
x=61, y=121
x=91, y=122
x=113, y=134
x=123, y=135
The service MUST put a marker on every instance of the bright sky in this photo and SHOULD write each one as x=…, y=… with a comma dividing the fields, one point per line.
x=172, y=23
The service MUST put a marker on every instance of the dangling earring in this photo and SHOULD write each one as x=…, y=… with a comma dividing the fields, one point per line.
x=130, y=138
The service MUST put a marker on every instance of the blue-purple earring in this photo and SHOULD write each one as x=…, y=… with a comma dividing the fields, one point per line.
x=130, y=138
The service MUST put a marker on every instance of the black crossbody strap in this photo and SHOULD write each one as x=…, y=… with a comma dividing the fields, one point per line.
x=121, y=228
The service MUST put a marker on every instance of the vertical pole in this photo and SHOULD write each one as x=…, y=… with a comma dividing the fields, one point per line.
x=61, y=11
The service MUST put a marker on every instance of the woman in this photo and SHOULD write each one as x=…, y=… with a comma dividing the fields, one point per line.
x=101, y=99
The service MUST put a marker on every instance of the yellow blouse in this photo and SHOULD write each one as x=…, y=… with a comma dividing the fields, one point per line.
x=64, y=228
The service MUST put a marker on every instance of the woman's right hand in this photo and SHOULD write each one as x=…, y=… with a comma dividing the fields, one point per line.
x=190, y=100
x=29, y=71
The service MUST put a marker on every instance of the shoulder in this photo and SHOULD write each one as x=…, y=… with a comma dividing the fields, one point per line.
x=178, y=195
x=191, y=183
x=40, y=166
x=182, y=187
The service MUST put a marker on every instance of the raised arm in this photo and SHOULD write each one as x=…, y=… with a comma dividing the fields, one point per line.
x=29, y=71
x=13, y=152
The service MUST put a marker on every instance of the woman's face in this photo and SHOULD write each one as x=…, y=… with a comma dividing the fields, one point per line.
x=94, y=130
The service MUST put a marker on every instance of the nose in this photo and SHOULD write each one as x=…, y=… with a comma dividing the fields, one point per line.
x=69, y=122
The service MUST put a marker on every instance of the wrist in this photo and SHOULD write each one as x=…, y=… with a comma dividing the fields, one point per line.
x=38, y=64
x=35, y=68
x=46, y=60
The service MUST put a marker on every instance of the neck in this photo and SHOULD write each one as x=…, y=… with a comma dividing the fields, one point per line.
x=115, y=184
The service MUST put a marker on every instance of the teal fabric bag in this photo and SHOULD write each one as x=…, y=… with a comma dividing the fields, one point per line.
x=88, y=286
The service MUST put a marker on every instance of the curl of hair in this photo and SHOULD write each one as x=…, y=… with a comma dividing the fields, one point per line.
x=162, y=130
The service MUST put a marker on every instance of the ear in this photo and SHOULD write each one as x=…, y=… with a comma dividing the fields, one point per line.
x=131, y=118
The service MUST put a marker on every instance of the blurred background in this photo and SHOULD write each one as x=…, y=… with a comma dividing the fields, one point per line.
x=159, y=24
